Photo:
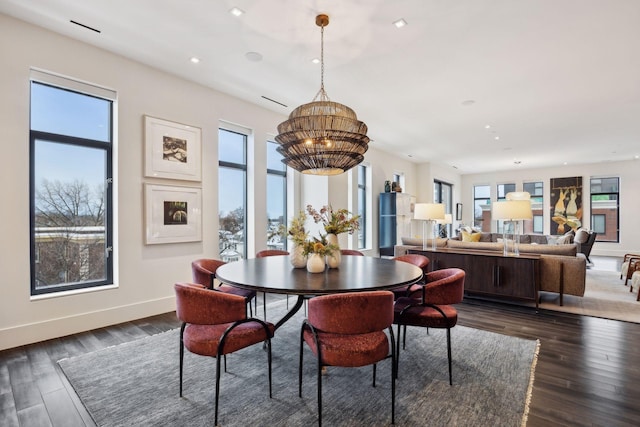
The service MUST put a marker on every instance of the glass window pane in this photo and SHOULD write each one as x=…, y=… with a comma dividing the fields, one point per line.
x=70, y=226
x=274, y=159
x=231, y=217
x=232, y=147
x=276, y=216
x=482, y=192
x=64, y=112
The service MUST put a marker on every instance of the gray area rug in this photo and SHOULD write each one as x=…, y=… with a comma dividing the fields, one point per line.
x=137, y=383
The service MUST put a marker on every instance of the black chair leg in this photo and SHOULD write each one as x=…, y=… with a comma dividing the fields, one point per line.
x=300, y=368
x=181, y=355
x=264, y=305
x=449, y=354
x=319, y=393
x=374, y=374
x=217, y=387
x=269, y=366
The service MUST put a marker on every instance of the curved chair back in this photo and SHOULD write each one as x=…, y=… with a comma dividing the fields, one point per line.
x=352, y=313
x=444, y=287
x=415, y=259
x=200, y=306
x=350, y=252
x=203, y=271
x=271, y=252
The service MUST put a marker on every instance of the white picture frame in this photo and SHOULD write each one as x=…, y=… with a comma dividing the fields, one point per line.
x=172, y=150
x=173, y=214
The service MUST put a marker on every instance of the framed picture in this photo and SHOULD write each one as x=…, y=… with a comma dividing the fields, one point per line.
x=172, y=214
x=458, y=211
x=173, y=150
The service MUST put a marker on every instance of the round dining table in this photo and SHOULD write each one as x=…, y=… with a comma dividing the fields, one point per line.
x=275, y=274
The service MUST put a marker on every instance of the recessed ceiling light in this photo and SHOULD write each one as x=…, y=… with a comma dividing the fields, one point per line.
x=235, y=11
x=565, y=163
x=496, y=138
x=400, y=23
x=636, y=157
x=315, y=60
x=468, y=102
x=487, y=126
x=253, y=56
x=194, y=60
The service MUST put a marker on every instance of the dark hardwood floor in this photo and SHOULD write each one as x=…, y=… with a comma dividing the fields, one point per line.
x=588, y=371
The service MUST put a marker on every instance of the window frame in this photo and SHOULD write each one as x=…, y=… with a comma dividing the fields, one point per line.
x=244, y=169
x=86, y=89
x=600, y=236
x=283, y=174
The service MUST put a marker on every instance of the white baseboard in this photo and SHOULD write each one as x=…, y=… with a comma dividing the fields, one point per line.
x=55, y=328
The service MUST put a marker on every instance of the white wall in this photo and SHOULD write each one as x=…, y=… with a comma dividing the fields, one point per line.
x=629, y=173
x=145, y=273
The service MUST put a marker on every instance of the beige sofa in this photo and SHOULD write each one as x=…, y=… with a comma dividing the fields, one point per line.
x=562, y=269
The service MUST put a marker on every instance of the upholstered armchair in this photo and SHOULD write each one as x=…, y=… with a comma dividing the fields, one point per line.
x=204, y=273
x=420, y=261
x=585, y=240
x=215, y=324
x=626, y=262
x=348, y=330
x=434, y=306
x=350, y=252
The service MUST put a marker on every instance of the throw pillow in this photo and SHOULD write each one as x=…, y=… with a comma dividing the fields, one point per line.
x=470, y=237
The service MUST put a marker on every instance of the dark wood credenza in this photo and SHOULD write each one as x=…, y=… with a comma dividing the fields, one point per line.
x=491, y=274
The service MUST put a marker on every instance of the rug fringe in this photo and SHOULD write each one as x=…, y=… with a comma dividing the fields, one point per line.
x=527, y=401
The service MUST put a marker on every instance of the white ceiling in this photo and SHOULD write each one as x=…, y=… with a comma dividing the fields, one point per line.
x=557, y=80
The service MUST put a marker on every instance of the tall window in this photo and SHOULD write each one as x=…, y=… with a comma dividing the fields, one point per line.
x=605, y=203
x=276, y=198
x=362, y=206
x=232, y=194
x=503, y=190
x=535, y=189
x=71, y=146
x=443, y=193
x=482, y=207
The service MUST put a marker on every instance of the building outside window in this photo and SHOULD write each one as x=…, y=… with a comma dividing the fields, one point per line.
x=71, y=180
x=536, y=225
x=232, y=194
x=362, y=205
x=605, y=208
x=482, y=207
x=276, y=199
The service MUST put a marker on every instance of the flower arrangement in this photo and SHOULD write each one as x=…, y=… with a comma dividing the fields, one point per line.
x=318, y=246
x=297, y=232
x=335, y=222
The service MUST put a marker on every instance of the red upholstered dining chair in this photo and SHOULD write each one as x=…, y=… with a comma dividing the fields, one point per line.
x=420, y=261
x=348, y=330
x=266, y=253
x=350, y=252
x=204, y=273
x=216, y=324
x=434, y=308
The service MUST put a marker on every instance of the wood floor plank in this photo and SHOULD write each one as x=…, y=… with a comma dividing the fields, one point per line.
x=61, y=410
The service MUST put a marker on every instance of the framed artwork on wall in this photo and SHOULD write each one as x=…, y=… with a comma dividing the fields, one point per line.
x=173, y=214
x=566, y=204
x=172, y=150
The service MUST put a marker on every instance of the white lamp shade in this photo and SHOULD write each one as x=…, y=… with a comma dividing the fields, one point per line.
x=429, y=211
x=448, y=219
x=510, y=210
x=518, y=195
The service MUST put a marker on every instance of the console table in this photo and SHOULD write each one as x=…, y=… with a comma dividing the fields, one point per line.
x=490, y=273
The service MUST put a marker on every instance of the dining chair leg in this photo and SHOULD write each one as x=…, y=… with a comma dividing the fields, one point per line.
x=217, y=388
x=269, y=366
x=300, y=368
x=397, y=345
x=374, y=374
x=449, y=354
x=319, y=392
x=181, y=355
x=394, y=374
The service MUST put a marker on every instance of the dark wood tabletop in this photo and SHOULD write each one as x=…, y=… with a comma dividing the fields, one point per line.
x=275, y=274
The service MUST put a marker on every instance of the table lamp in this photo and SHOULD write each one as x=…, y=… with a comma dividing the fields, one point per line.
x=429, y=212
x=511, y=211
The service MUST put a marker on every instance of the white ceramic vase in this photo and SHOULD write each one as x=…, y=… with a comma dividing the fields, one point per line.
x=298, y=259
x=315, y=263
x=334, y=260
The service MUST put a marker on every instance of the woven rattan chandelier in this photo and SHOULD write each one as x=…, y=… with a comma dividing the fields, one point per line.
x=322, y=137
